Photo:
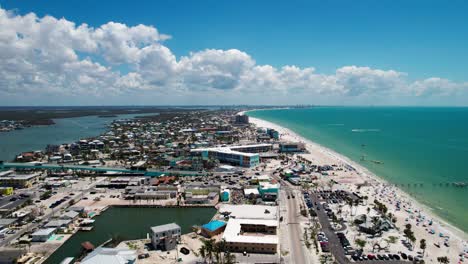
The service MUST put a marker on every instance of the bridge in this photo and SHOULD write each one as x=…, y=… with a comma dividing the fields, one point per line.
x=65, y=167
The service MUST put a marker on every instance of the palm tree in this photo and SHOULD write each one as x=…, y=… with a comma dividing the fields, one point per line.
x=422, y=245
x=219, y=248
x=208, y=245
x=392, y=239
x=350, y=203
x=360, y=242
x=202, y=252
x=229, y=258
x=443, y=260
x=330, y=184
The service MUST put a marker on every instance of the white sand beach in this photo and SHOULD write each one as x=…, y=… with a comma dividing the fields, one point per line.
x=425, y=224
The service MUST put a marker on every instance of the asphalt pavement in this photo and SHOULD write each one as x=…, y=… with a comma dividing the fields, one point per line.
x=334, y=243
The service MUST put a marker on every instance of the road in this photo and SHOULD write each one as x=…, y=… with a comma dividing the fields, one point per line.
x=294, y=231
x=296, y=248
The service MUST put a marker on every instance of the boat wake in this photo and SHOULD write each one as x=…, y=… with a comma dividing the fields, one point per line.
x=361, y=130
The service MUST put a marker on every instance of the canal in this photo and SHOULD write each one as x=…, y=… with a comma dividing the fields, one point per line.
x=130, y=223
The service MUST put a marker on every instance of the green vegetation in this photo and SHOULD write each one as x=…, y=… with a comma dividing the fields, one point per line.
x=422, y=245
x=360, y=242
x=392, y=239
x=409, y=234
x=46, y=195
x=217, y=251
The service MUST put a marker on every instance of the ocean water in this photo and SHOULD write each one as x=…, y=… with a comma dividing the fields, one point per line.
x=66, y=130
x=422, y=149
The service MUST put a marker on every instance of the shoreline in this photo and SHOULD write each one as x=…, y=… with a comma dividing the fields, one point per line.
x=365, y=174
x=103, y=207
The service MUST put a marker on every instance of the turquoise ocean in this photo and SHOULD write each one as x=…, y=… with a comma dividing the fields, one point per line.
x=423, y=150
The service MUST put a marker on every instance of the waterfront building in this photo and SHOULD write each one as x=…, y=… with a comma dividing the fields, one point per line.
x=59, y=223
x=273, y=133
x=213, y=228
x=249, y=211
x=210, y=198
x=226, y=155
x=70, y=215
x=241, y=120
x=253, y=148
x=42, y=235
x=251, y=228
x=165, y=237
x=251, y=235
x=291, y=147
x=157, y=195
x=103, y=255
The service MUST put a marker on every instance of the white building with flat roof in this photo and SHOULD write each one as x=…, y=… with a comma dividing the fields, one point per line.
x=248, y=211
x=42, y=235
x=251, y=235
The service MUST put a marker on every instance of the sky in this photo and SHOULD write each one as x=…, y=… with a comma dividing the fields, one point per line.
x=233, y=52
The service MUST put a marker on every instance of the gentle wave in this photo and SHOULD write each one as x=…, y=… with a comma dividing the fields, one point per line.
x=365, y=130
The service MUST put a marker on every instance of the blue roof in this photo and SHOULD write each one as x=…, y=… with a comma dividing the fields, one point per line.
x=214, y=225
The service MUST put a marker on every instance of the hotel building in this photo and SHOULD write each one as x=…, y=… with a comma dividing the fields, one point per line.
x=251, y=228
x=245, y=156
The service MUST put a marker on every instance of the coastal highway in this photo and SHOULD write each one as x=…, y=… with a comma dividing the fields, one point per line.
x=294, y=230
x=292, y=217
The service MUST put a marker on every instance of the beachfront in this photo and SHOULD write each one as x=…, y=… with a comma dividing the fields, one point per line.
x=441, y=238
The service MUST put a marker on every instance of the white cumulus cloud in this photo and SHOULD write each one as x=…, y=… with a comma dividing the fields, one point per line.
x=49, y=56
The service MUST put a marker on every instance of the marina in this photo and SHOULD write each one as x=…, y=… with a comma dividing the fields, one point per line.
x=129, y=223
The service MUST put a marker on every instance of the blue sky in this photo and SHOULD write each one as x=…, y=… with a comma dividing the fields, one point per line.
x=422, y=39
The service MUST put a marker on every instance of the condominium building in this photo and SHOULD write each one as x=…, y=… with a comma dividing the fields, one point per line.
x=242, y=119
x=251, y=235
x=245, y=155
x=226, y=155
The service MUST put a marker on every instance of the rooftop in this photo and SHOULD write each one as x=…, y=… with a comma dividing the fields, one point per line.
x=110, y=256
x=44, y=232
x=247, y=211
x=214, y=225
x=19, y=176
x=162, y=228
x=225, y=150
x=232, y=233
